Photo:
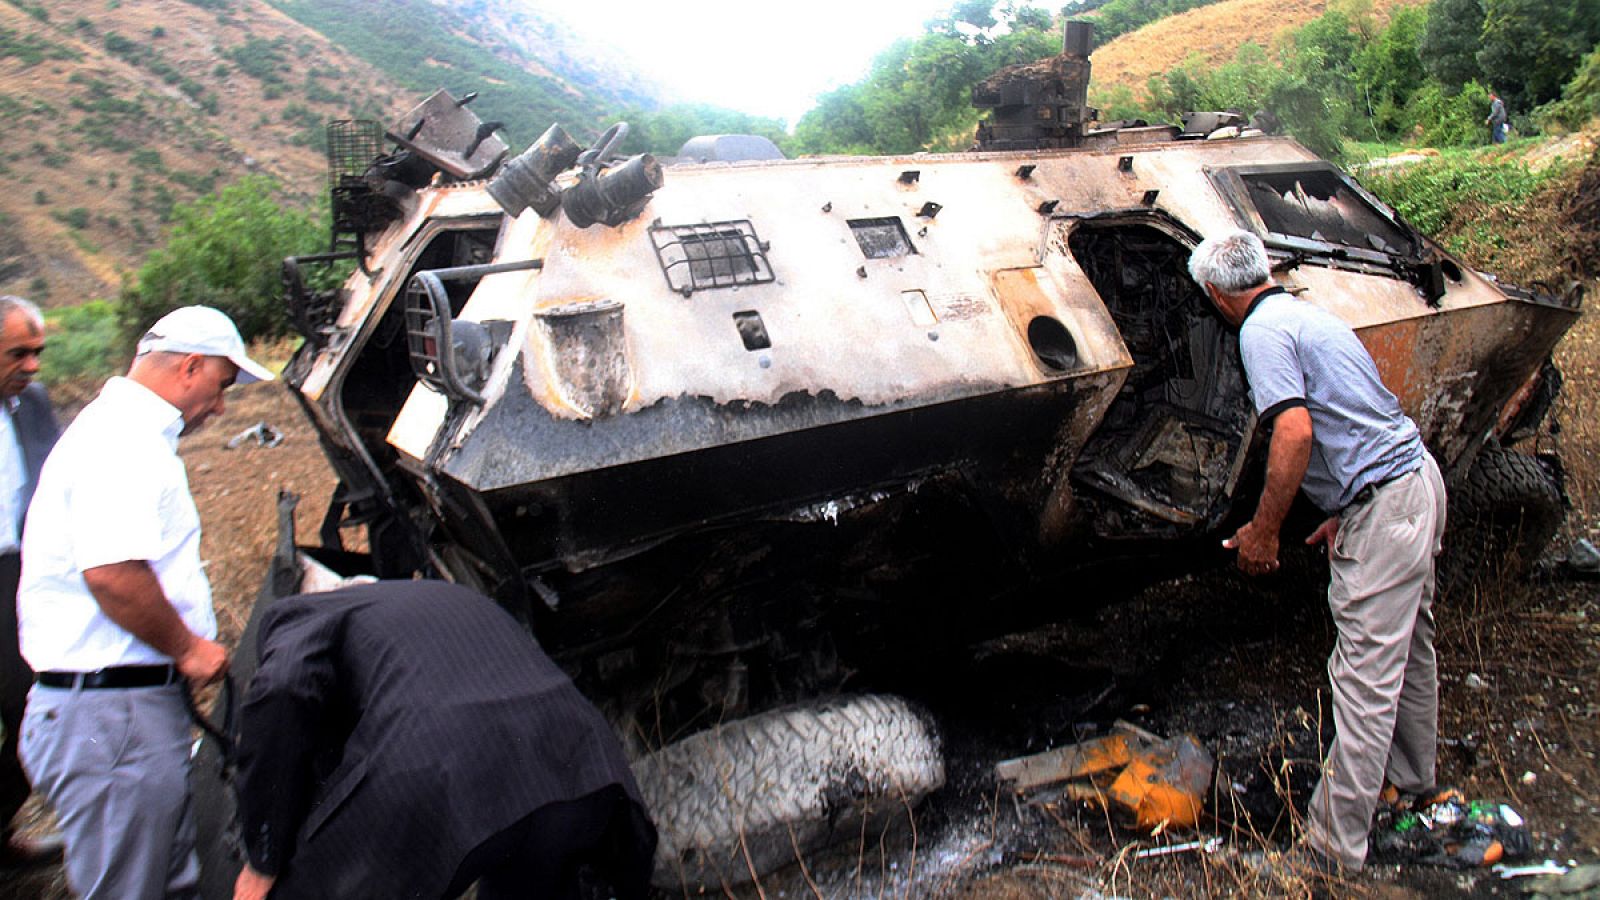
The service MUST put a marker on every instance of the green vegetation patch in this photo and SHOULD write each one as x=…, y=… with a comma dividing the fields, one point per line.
x=82, y=342
x=32, y=49
x=224, y=250
x=419, y=45
x=261, y=59
x=1499, y=214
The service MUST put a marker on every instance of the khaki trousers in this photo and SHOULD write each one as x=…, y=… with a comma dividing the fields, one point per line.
x=1383, y=670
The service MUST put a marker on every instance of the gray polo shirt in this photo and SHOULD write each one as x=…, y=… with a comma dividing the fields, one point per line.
x=1296, y=354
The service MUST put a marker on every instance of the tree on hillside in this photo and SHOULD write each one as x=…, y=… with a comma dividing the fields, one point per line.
x=1580, y=99
x=1389, y=69
x=226, y=251
x=1530, y=48
x=917, y=95
x=1449, y=46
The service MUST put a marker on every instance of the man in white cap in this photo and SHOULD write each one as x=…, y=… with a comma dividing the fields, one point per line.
x=116, y=617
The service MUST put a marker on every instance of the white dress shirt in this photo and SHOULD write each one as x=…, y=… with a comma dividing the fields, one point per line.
x=112, y=490
x=13, y=474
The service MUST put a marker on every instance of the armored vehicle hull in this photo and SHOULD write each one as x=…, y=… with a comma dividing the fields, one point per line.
x=736, y=435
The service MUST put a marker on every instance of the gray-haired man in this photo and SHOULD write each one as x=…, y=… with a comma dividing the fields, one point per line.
x=27, y=432
x=1339, y=435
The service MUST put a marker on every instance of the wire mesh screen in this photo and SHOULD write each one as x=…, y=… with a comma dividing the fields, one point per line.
x=710, y=255
x=422, y=337
x=352, y=146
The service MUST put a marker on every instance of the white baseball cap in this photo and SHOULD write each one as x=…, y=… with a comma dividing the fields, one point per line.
x=203, y=330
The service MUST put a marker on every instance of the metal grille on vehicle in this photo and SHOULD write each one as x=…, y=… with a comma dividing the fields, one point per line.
x=711, y=255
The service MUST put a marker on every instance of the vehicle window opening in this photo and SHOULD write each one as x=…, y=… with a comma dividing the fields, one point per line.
x=752, y=330
x=381, y=378
x=1168, y=445
x=714, y=255
x=1318, y=205
x=884, y=238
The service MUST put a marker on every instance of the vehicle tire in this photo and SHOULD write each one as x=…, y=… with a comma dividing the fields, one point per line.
x=735, y=802
x=1501, y=516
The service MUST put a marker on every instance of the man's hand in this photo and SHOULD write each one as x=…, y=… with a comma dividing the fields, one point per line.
x=1258, y=548
x=202, y=663
x=131, y=596
x=252, y=885
x=1326, y=533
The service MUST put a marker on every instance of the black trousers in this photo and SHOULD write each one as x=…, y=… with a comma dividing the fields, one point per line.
x=15, y=680
x=600, y=842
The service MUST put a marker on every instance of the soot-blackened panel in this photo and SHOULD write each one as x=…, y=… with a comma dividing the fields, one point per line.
x=882, y=238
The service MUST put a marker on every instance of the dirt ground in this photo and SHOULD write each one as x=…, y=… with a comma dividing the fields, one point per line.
x=1237, y=663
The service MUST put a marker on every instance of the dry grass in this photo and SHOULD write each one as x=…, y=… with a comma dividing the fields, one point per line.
x=1212, y=34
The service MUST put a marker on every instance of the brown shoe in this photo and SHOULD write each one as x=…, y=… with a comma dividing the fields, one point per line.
x=20, y=852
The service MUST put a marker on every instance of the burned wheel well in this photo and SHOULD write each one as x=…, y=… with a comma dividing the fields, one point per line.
x=1166, y=454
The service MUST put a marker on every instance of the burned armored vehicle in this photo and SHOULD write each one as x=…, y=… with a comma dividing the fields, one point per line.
x=735, y=436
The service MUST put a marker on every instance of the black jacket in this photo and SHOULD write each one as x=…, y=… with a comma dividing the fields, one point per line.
x=392, y=727
x=36, y=429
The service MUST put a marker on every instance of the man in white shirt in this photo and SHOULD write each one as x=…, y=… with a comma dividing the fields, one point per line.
x=116, y=617
x=27, y=431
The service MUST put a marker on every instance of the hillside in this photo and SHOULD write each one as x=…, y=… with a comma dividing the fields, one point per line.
x=1212, y=33
x=120, y=110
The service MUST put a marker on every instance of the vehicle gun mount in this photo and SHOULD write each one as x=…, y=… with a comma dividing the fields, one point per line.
x=1040, y=105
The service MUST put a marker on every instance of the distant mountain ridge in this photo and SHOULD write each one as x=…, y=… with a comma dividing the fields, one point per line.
x=118, y=110
x=528, y=69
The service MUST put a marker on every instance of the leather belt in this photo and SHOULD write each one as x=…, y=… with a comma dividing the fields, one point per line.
x=1371, y=489
x=116, y=677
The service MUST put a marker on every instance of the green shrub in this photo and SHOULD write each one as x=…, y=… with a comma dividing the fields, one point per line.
x=225, y=251
x=82, y=342
x=1448, y=197
x=32, y=50
x=117, y=45
x=260, y=59
x=76, y=218
x=1118, y=101
x=1441, y=119
x=146, y=159
x=1580, y=98
x=196, y=182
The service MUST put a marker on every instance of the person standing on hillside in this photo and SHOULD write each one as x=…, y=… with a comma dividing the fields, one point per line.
x=1339, y=435
x=1496, y=119
x=27, y=432
x=116, y=616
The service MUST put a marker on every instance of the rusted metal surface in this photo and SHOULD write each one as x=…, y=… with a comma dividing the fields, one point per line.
x=1038, y=105
x=999, y=306
x=444, y=132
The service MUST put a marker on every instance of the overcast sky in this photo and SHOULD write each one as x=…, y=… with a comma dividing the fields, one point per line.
x=758, y=56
